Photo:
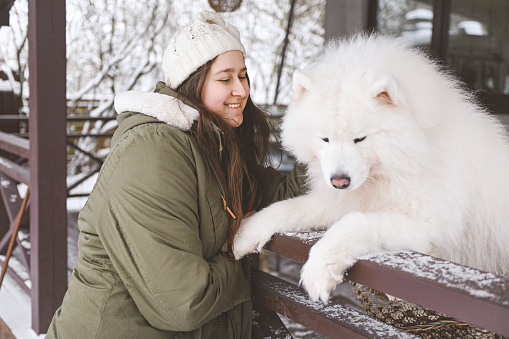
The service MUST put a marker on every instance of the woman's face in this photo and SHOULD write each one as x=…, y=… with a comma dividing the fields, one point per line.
x=225, y=90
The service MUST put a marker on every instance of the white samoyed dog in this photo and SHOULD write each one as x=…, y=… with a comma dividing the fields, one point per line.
x=399, y=157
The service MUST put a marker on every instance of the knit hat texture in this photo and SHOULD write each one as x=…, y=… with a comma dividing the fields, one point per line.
x=195, y=44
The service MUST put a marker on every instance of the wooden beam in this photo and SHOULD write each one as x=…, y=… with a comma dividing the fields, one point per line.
x=47, y=125
x=345, y=17
x=455, y=290
x=5, y=6
x=473, y=296
x=76, y=117
x=14, y=171
x=4, y=18
x=331, y=320
x=372, y=16
x=14, y=144
x=440, y=32
x=267, y=324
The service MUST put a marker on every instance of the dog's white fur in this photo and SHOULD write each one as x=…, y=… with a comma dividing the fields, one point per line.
x=431, y=175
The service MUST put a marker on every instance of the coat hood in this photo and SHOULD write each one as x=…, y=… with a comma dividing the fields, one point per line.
x=163, y=104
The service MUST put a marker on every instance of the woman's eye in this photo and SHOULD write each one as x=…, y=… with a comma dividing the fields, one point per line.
x=325, y=139
x=224, y=80
x=357, y=140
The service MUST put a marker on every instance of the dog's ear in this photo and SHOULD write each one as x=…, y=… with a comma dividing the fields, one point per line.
x=300, y=85
x=386, y=90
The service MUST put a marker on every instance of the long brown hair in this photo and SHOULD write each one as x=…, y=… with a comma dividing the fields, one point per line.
x=245, y=150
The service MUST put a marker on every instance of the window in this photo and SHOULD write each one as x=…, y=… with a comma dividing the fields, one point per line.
x=410, y=19
x=471, y=36
x=479, y=44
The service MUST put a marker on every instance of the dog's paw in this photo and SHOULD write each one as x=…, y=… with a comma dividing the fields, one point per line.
x=251, y=237
x=324, y=269
x=317, y=280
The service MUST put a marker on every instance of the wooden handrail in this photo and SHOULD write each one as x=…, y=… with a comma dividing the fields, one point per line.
x=18, y=146
x=75, y=135
x=4, y=137
x=461, y=292
x=470, y=295
x=14, y=144
x=73, y=117
x=15, y=171
x=332, y=320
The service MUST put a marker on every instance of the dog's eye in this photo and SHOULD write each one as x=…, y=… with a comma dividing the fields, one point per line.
x=325, y=139
x=356, y=140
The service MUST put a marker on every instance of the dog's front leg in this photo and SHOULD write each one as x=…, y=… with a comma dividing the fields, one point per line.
x=298, y=214
x=355, y=235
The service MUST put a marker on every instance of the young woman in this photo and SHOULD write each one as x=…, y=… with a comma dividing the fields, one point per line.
x=156, y=234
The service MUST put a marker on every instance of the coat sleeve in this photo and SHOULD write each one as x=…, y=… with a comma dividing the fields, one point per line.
x=280, y=187
x=156, y=246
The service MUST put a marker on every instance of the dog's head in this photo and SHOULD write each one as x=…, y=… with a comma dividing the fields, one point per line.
x=351, y=119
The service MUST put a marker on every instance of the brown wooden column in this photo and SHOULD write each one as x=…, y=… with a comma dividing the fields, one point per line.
x=48, y=212
x=345, y=17
x=440, y=33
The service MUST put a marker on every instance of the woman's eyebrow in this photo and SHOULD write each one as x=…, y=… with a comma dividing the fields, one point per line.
x=230, y=70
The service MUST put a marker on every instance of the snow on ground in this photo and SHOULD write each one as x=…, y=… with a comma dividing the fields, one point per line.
x=16, y=310
x=76, y=204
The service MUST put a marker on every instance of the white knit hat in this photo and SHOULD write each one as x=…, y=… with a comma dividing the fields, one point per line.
x=195, y=44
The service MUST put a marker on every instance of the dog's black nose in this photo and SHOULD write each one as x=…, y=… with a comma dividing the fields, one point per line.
x=341, y=181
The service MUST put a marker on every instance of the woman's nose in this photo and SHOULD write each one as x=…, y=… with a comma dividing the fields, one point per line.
x=239, y=89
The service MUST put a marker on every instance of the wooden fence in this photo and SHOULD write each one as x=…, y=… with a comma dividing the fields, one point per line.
x=13, y=170
x=75, y=123
x=467, y=294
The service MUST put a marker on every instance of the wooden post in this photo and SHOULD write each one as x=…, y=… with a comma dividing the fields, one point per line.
x=47, y=124
x=440, y=33
x=345, y=17
x=4, y=223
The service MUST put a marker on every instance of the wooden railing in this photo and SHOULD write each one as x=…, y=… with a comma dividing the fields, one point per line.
x=13, y=170
x=467, y=294
x=72, y=137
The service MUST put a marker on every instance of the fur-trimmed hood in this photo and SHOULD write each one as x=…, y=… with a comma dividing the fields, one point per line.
x=162, y=104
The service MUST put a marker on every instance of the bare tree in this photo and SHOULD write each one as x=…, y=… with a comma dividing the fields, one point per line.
x=113, y=45
x=306, y=43
x=262, y=25
x=391, y=15
x=14, y=54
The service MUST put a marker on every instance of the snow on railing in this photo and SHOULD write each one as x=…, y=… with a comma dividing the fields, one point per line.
x=467, y=294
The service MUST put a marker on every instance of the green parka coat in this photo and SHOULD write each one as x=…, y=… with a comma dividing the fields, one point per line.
x=149, y=262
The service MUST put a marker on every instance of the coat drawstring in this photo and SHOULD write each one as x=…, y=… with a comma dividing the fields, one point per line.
x=226, y=208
